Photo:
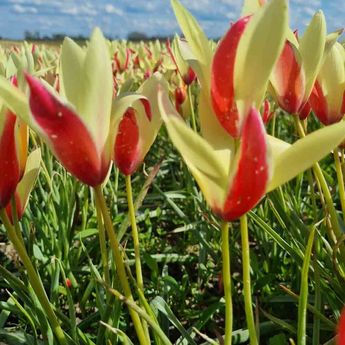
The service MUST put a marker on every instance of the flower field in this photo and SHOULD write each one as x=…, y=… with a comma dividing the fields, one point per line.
x=177, y=192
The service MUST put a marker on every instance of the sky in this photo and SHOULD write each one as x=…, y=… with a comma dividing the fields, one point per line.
x=117, y=18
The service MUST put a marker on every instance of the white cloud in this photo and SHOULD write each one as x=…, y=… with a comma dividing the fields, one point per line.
x=111, y=9
x=24, y=9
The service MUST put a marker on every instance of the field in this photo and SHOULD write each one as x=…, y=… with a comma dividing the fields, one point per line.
x=179, y=192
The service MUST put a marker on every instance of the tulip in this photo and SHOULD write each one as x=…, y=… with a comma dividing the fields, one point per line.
x=296, y=70
x=137, y=128
x=184, y=70
x=341, y=329
x=234, y=181
x=13, y=152
x=328, y=97
x=77, y=125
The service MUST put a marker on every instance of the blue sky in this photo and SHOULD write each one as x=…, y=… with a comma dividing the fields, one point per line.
x=119, y=17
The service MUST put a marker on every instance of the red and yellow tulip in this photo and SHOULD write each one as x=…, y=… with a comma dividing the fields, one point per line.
x=328, y=96
x=137, y=128
x=296, y=70
x=234, y=180
x=341, y=329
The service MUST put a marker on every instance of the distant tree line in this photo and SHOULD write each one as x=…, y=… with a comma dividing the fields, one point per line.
x=132, y=36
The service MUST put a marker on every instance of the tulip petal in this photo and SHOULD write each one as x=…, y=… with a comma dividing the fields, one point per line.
x=191, y=29
x=67, y=135
x=251, y=6
x=250, y=178
x=330, y=86
x=305, y=152
x=14, y=99
x=72, y=61
x=209, y=171
x=26, y=184
x=9, y=165
x=257, y=53
x=97, y=89
x=127, y=143
x=288, y=79
x=222, y=78
x=311, y=47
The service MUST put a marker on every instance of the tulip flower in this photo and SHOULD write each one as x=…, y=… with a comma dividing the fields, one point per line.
x=328, y=97
x=137, y=128
x=234, y=181
x=77, y=125
x=185, y=71
x=13, y=152
x=341, y=329
x=295, y=72
x=24, y=187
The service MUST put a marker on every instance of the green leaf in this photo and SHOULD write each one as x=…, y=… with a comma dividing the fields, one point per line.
x=303, y=298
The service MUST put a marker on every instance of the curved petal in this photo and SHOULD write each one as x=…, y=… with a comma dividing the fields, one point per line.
x=318, y=103
x=9, y=164
x=127, y=148
x=288, y=79
x=252, y=173
x=222, y=78
x=67, y=135
x=26, y=184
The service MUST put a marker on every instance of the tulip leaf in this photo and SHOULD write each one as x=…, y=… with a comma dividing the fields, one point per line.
x=311, y=47
x=304, y=153
x=257, y=52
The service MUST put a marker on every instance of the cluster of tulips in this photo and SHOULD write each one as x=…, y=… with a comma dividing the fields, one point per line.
x=85, y=111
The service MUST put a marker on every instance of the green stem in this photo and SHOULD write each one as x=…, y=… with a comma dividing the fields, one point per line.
x=246, y=281
x=135, y=234
x=103, y=245
x=340, y=177
x=227, y=283
x=121, y=271
x=303, y=296
x=34, y=278
x=191, y=103
x=15, y=219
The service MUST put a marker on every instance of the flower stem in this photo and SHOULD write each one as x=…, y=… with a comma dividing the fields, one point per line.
x=34, y=278
x=227, y=283
x=246, y=281
x=340, y=177
x=135, y=234
x=121, y=271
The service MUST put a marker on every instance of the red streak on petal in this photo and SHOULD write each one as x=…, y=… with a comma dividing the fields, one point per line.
x=70, y=140
x=250, y=180
x=222, y=78
x=147, y=106
x=341, y=329
x=305, y=111
x=126, y=143
x=291, y=84
x=320, y=107
x=9, y=165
